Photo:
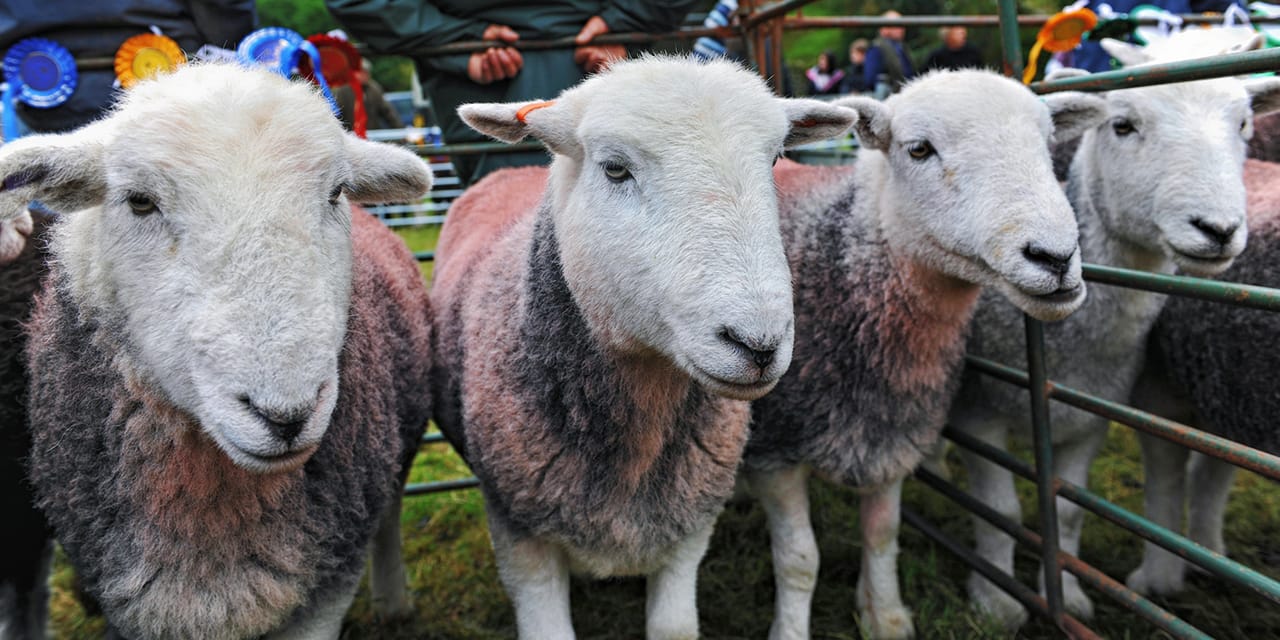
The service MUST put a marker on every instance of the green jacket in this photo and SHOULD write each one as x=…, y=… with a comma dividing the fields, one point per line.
x=405, y=27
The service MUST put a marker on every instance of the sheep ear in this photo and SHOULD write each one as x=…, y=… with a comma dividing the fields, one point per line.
x=1064, y=73
x=872, y=126
x=62, y=171
x=385, y=173
x=814, y=120
x=1074, y=113
x=1128, y=54
x=513, y=121
x=1256, y=41
x=1264, y=95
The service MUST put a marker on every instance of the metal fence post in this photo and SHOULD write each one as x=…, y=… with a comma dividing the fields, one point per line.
x=1046, y=492
x=1009, y=40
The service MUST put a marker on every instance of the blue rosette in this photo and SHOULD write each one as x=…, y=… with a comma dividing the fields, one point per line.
x=279, y=50
x=41, y=72
x=271, y=47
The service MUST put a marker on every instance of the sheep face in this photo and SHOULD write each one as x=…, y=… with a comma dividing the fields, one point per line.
x=1166, y=170
x=209, y=227
x=976, y=198
x=665, y=212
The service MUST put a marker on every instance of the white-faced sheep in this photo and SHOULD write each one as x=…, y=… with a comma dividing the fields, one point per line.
x=24, y=565
x=1211, y=366
x=1157, y=187
x=887, y=264
x=228, y=361
x=593, y=346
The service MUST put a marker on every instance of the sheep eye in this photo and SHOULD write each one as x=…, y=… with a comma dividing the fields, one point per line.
x=616, y=173
x=1122, y=127
x=141, y=204
x=334, y=195
x=920, y=150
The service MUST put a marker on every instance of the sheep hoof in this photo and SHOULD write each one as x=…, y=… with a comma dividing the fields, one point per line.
x=887, y=623
x=1156, y=580
x=988, y=600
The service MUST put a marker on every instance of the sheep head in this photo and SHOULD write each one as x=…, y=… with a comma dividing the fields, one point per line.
x=208, y=231
x=662, y=197
x=965, y=183
x=1165, y=171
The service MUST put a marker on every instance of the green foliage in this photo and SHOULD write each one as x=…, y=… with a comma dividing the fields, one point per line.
x=304, y=16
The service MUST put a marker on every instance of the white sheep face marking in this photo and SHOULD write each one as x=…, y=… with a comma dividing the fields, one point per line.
x=975, y=197
x=666, y=214
x=1166, y=170
x=216, y=239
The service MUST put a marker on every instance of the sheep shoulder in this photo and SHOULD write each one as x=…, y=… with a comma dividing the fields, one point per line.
x=572, y=443
x=879, y=341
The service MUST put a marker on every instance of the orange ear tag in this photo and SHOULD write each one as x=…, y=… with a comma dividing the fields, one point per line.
x=146, y=55
x=530, y=108
x=1060, y=33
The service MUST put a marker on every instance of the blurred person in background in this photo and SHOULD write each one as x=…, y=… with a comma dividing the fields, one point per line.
x=855, y=80
x=888, y=56
x=955, y=52
x=824, y=77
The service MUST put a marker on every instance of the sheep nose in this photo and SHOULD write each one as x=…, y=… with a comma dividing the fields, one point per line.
x=285, y=422
x=1218, y=233
x=760, y=350
x=1054, y=262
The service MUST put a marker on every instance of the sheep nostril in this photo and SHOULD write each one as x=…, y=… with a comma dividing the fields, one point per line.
x=1057, y=263
x=284, y=423
x=1220, y=234
x=762, y=354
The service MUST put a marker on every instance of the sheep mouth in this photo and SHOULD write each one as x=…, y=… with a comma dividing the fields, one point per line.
x=733, y=389
x=1060, y=296
x=271, y=463
x=1209, y=263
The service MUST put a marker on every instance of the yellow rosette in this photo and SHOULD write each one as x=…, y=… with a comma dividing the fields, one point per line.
x=147, y=55
x=1060, y=33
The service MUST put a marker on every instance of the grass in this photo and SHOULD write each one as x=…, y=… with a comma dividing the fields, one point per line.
x=455, y=586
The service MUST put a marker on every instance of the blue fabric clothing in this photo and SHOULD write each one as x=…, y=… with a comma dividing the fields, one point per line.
x=875, y=65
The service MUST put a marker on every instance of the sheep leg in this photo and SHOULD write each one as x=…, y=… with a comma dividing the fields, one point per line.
x=536, y=575
x=784, y=495
x=993, y=485
x=1211, y=481
x=387, y=582
x=1164, y=467
x=24, y=598
x=880, y=605
x=323, y=621
x=671, y=607
x=1071, y=462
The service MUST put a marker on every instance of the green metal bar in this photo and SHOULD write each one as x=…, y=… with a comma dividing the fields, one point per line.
x=433, y=438
x=424, y=256
x=1259, y=462
x=1021, y=592
x=1045, y=489
x=1182, y=71
x=1010, y=42
x=980, y=21
x=474, y=148
x=424, y=488
x=1243, y=295
x=1127, y=597
x=1212, y=561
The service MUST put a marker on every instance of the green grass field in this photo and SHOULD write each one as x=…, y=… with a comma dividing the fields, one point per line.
x=455, y=585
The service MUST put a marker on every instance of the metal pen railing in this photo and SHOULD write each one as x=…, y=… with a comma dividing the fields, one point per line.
x=1042, y=388
x=1036, y=379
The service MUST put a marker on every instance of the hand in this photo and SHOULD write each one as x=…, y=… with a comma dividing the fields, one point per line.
x=498, y=63
x=595, y=59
